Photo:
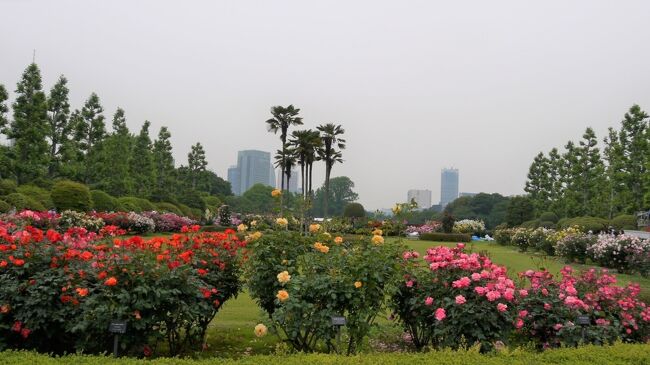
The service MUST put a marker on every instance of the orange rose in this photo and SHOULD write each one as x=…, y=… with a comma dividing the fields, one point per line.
x=110, y=281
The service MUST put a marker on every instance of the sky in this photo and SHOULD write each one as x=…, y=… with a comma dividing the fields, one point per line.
x=482, y=86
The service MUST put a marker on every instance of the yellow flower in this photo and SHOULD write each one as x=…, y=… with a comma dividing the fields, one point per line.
x=326, y=234
x=338, y=240
x=242, y=228
x=260, y=330
x=283, y=295
x=377, y=239
x=378, y=232
x=313, y=228
x=254, y=236
x=253, y=223
x=321, y=247
x=283, y=222
x=284, y=277
x=276, y=193
x=284, y=262
x=358, y=284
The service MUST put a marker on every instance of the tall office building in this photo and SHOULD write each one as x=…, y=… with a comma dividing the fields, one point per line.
x=421, y=197
x=448, y=186
x=253, y=167
x=293, y=183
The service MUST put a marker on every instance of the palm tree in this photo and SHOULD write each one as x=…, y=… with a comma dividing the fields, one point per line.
x=285, y=160
x=283, y=118
x=330, y=135
x=305, y=144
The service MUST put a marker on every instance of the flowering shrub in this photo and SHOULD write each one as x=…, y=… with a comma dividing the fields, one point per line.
x=71, y=218
x=168, y=222
x=623, y=253
x=42, y=220
x=470, y=226
x=542, y=239
x=303, y=282
x=573, y=246
x=521, y=238
x=428, y=227
x=58, y=293
x=140, y=224
x=455, y=299
x=503, y=235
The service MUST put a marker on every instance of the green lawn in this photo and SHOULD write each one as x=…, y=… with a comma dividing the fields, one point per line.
x=231, y=333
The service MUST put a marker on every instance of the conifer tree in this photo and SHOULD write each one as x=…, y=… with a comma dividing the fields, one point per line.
x=196, y=162
x=60, y=129
x=142, y=164
x=164, y=165
x=90, y=131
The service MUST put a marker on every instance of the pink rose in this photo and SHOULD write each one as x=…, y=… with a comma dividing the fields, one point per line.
x=409, y=284
x=523, y=313
x=502, y=307
x=461, y=245
x=480, y=290
x=544, y=292
x=558, y=326
x=428, y=302
x=519, y=324
x=523, y=293
x=509, y=294
x=460, y=299
x=547, y=306
x=440, y=314
x=493, y=295
x=461, y=283
x=476, y=276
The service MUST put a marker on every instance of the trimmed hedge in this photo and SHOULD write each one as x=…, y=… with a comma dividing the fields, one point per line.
x=102, y=202
x=133, y=204
x=22, y=202
x=622, y=354
x=593, y=224
x=4, y=206
x=39, y=194
x=212, y=200
x=69, y=195
x=187, y=211
x=7, y=187
x=168, y=207
x=625, y=221
x=445, y=237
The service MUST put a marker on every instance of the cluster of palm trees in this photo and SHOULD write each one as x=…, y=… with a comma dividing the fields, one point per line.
x=304, y=147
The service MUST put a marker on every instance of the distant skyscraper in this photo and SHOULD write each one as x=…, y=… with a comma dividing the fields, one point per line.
x=421, y=197
x=448, y=186
x=253, y=167
x=293, y=183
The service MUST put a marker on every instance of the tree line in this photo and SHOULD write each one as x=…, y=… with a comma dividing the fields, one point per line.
x=48, y=140
x=587, y=180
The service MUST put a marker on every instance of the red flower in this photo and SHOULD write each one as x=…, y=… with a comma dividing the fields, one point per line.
x=202, y=272
x=18, y=325
x=147, y=351
x=19, y=262
x=86, y=255
x=102, y=275
x=25, y=332
x=3, y=263
x=112, y=281
x=82, y=292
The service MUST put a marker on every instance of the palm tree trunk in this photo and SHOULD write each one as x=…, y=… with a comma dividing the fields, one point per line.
x=328, y=170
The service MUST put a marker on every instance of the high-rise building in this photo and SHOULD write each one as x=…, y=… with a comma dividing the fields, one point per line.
x=293, y=183
x=448, y=186
x=253, y=167
x=421, y=197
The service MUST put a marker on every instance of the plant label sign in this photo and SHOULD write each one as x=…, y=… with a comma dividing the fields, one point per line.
x=583, y=320
x=338, y=321
x=118, y=327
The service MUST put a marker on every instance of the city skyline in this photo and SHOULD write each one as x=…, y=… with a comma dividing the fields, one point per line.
x=449, y=181
x=253, y=167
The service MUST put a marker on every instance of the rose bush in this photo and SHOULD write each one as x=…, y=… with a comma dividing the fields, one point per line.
x=623, y=253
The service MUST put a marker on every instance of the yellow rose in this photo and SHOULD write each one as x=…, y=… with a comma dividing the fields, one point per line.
x=254, y=236
x=253, y=223
x=338, y=240
x=321, y=247
x=378, y=232
x=276, y=193
x=358, y=284
x=313, y=228
x=377, y=239
x=283, y=222
x=283, y=295
x=260, y=330
x=284, y=277
x=242, y=228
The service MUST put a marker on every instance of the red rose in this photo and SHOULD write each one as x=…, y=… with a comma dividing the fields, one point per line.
x=110, y=281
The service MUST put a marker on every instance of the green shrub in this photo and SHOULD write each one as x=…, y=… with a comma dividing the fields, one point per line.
x=102, y=202
x=445, y=237
x=7, y=186
x=192, y=199
x=354, y=210
x=532, y=224
x=4, y=206
x=129, y=204
x=185, y=210
x=586, y=224
x=69, y=195
x=212, y=200
x=39, y=194
x=145, y=205
x=168, y=207
x=547, y=224
x=624, y=221
x=22, y=202
x=549, y=217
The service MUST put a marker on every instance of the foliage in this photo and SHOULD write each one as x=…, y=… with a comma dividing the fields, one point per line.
x=37, y=193
x=7, y=187
x=448, y=222
x=573, y=247
x=624, y=221
x=103, y=202
x=21, y=202
x=489, y=208
x=354, y=210
x=520, y=209
x=224, y=215
x=4, y=206
x=549, y=217
x=470, y=226
x=586, y=224
x=445, y=237
x=340, y=194
x=69, y=195
x=168, y=208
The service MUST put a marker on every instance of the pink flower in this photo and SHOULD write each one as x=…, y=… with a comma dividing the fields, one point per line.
x=502, y=307
x=480, y=290
x=519, y=324
x=409, y=284
x=461, y=283
x=460, y=245
x=476, y=276
x=523, y=293
x=493, y=295
x=547, y=306
x=509, y=294
x=440, y=314
x=544, y=292
x=428, y=302
x=523, y=313
x=558, y=326
x=460, y=299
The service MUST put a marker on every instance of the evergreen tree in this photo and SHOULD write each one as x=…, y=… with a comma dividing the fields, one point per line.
x=164, y=165
x=570, y=177
x=591, y=175
x=5, y=160
x=616, y=189
x=29, y=129
x=538, y=185
x=196, y=163
x=3, y=107
x=556, y=192
x=90, y=130
x=634, y=142
x=115, y=177
x=141, y=163
x=58, y=109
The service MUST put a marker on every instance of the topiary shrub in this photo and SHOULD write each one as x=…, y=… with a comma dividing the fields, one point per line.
x=169, y=208
x=102, y=202
x=145, y=205
x=549, y=217
x=192, y=199
x=624, y=221
x=22, y=202
x=445, y=237
x=129, y=204
x=547, y=224
x=7, y=187
x=354, y=210
x=212, y=201
x=590, y=224
x=185, y=210
x=4, y=206
x=39, y=194
x=69, y=195
x=532, y=224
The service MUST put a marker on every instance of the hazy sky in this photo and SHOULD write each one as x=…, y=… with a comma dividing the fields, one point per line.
x=418, y=85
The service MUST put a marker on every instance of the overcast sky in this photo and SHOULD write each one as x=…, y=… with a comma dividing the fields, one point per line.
x=482, y=86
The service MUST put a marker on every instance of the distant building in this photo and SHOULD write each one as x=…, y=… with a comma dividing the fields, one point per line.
x=253, y=167
x=421, y=197
x=467, y=194
x=293, y=183
x=448, y=186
